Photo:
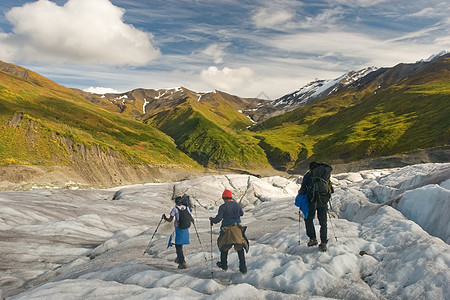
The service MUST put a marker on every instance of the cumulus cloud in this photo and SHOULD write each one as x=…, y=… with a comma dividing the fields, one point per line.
x=7, y=50
x=100, y=90
x=81, y=31
x=226, y=79
x=271, y=17
x=216, y=51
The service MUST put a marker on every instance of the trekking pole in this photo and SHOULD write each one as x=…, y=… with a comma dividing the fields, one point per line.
x=148, y=246
x=212, y=265
x=211, y=244
x=329, y=216
x=195, y=227
x=334, y=232
x=299, y=227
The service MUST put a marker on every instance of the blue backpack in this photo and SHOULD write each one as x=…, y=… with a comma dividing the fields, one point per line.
x=301, y=201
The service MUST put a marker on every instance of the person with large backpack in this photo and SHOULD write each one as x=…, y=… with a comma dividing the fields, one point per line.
x=232, y=233
x=183, y=220
x=317, y=186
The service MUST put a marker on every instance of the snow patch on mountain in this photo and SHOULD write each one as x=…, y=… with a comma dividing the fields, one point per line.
x=144, y=105
x=434, y=56
x=122, y=99
x=162, y=93
x=319, y=88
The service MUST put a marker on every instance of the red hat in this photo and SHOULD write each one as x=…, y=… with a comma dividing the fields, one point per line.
x=227, y=194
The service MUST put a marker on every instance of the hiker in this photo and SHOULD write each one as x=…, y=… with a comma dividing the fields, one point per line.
x=183, y=219
x=317, y=202
x=232, y=233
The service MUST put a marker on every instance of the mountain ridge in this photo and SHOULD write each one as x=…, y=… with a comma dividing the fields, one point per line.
x=312, y=91
x=362, y=115
x=405, y=106
x=45, y=125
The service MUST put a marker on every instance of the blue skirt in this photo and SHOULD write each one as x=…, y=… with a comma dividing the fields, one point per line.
x=181, y=236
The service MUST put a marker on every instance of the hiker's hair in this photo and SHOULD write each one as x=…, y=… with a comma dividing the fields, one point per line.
x=178, y=199
x=313, y=165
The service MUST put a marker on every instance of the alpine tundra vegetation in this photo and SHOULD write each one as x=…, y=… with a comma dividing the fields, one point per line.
x=50, y=130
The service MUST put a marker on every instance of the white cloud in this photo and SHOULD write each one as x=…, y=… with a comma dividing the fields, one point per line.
x=426, y=12
x=430, y=33
x=444, y=42
x=323, y=42
x=345, y=45
x=357, y=3
x=216, y=51
x=100, y=90
x=270, y=17
x=327, y=18
x=7, y=51
x=81, y=31
x=227, y=79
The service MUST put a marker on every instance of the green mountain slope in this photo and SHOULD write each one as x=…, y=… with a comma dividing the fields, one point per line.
x=208, y=127
x=390, y=111
x=212, y=132
x=367, y=120
x=43, y=123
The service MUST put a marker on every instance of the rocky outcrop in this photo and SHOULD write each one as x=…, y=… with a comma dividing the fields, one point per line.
x=105, y=167
x=14, y=70
x=86, y=166
x=15, y=120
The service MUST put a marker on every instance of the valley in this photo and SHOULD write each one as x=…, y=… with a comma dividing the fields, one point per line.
x=53, y=135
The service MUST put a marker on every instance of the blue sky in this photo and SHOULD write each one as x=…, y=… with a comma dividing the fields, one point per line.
x=241, y=47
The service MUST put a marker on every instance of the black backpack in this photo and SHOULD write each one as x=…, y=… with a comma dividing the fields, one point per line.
x=320, y=190
x=184, y=220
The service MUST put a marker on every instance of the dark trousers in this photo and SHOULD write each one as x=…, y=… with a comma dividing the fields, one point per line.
x=224, y=258
x=180, y=255
x=309, y=224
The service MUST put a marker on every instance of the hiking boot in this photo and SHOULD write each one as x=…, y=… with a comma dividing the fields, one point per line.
x=312, y=242
x=222, y=266
x=243, y=269
x=242, y=266
x=323, y=247
x=182, y=265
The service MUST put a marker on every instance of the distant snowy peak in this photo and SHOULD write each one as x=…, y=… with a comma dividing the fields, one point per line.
x=434, y=56
x=304, y=94
x=140, y=101
x=320, y=88
x=170, y=92
x=353, y=76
